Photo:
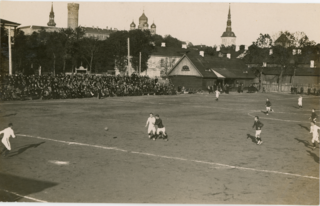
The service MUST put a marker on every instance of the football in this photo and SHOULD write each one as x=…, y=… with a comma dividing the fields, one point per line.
x=106, y=128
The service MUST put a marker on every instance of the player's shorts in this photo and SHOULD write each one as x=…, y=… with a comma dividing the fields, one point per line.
x=268, y=108
x=151, y=129
x=258, y=132
x=6, y=143
x=163, y=130
x=315, y=138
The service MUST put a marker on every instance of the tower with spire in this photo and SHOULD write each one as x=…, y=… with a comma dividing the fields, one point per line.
x=228, y=37
x=51, y=17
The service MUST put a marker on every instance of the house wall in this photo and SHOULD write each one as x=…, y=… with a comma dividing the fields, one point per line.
x=192, y=70
x=189, y=82
x=162, y=63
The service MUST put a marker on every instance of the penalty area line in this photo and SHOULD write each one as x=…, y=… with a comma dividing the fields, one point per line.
x=283, y=120
x=169, y=157
x=27, y=197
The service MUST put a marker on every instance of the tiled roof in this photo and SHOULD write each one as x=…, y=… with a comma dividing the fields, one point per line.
x=229, y=68
x=9, y=23
x=169, y=51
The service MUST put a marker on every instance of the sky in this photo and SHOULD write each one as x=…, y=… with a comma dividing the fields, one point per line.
x=199, y=23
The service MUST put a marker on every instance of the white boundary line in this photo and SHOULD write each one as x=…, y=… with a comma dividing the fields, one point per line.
x=168, y=157
x=30, y=198
x=283, y=120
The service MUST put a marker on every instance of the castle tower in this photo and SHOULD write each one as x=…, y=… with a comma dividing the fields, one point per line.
x=132, y=26
x=51, y=17
x=153, y=29
x=142, y=21
x=228, y=38
x=73, y=14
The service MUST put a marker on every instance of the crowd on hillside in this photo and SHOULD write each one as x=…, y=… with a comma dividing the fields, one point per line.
x=21, y=87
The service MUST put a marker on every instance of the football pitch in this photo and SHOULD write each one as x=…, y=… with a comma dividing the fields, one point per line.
x=62, y=153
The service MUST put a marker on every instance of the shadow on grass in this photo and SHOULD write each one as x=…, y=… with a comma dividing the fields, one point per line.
x=264, y=112
x=305, y=142
x=253, y=138
x=315, y=157
x=7, y=115
x=306, y=128
x=20, y=185
x=24, y=148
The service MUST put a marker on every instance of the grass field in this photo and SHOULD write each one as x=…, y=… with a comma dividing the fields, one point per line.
x=63, y=154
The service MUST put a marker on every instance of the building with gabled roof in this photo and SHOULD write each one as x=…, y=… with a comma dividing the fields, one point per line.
x=282, y=41
x=198, y=71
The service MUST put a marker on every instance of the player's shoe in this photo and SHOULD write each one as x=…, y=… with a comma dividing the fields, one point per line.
x=260, y=142
x=154, y=139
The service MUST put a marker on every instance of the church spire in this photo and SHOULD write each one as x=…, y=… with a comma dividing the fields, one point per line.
x=51, y=17
x=229, y=21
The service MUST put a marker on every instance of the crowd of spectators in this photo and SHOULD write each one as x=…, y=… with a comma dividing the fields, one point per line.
x=21, y=87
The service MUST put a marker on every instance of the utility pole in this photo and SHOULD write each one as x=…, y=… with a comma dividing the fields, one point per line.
x=10, y=58
x=129, y=67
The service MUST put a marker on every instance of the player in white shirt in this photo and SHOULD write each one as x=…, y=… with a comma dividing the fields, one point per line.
x=150, y=124
x=7, y=133
x=315, y=135
x=300, y=102
x=217, y=95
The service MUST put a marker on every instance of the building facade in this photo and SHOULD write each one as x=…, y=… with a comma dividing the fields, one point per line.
x=228, y=37
x=143, y=25
x=73, y=22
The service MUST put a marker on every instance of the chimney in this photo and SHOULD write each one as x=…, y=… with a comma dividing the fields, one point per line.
x=294, y=52
x=218, y=48
x=311, y=63
x=163, y=44
x=270, y=52
x=237, y=48
x=202, y=53
x=245, y=47
x=264, y=64
x=184, y=46
x=229, y=56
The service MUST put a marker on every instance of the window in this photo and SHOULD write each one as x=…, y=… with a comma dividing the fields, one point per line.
x=185, y=68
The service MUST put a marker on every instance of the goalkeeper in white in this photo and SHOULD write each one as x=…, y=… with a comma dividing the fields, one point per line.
x=315, y=135
x=150, y=124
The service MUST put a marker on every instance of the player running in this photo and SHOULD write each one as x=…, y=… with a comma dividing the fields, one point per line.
x=258, y=125
x=7, y=133
x=217, y=95
x=300, y=102
x=161, y=130
x=268, y=106
x=314, y=116
x=150, y=124
x=315, y=135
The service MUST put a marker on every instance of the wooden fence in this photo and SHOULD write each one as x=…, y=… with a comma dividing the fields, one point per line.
x=286, y=87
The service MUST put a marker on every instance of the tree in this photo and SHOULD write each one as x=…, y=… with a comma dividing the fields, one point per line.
x=282, y=57
x=296, y=39
x=88, y=49
x=264, y=41
x=19, y=51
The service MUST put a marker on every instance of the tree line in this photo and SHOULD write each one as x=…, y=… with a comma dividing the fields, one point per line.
x=64, y=50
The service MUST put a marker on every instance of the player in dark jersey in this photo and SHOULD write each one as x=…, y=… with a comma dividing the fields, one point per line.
x=161, y=130
x=258, y=126
x=314, y=116
x=268, y=106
